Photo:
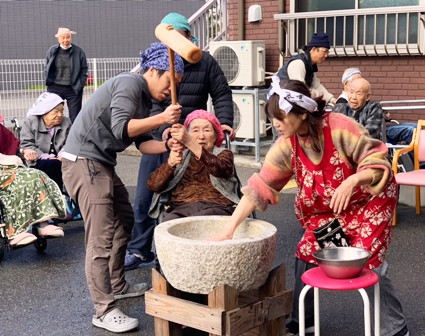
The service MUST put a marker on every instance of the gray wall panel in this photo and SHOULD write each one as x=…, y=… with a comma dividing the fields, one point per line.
x=104, y=28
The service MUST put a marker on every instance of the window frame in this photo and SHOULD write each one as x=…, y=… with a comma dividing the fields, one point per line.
x=377, y=48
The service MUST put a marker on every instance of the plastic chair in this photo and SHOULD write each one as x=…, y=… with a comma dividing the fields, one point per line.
x=316, y=279
x=416, y=177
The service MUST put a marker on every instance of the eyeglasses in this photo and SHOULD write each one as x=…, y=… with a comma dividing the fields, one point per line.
x=324, y=51
x=57, y=112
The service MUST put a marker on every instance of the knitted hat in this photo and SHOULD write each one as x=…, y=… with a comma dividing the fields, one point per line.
x=319, y=40
x=348, y=73
x=179, y=22
x=202, y=114
x=46, y=102
x=156, y=57
x=63, y=31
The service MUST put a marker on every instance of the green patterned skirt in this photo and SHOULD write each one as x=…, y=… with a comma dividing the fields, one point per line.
x=29, y=196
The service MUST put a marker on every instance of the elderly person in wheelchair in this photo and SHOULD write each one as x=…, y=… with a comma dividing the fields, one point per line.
x=199, y=176
x=27, y=197
x=43, y=135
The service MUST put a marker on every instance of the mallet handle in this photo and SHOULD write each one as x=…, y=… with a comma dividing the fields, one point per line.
x=173, y=76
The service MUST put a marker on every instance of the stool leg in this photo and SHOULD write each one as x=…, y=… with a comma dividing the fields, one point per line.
x=377, y=310
x=316, y=312
x=301, y=313
x=366, y=312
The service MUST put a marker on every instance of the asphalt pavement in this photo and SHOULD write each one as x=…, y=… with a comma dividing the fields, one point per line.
x=46, y=293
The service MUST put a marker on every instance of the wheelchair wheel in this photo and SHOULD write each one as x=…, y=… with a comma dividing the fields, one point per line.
x=40, y=244
x=2, y=248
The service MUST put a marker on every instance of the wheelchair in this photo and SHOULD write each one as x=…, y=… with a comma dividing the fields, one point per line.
x=40, y=244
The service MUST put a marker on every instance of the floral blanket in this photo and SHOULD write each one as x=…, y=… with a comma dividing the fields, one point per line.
x=28, y=196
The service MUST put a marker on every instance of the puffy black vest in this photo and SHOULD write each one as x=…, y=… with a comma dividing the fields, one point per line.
x=309, y=67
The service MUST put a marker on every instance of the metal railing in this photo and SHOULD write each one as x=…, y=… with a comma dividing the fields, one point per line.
x=209, y=23
x=359, y=32
x=22, y=81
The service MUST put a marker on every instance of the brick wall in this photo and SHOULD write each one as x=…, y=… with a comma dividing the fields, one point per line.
x=266, y=30
x=392, y=78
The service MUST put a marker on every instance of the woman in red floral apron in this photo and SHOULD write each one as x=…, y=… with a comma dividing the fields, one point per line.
x=341, y=173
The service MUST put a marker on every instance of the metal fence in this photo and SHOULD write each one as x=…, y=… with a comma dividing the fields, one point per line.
x=22, y=81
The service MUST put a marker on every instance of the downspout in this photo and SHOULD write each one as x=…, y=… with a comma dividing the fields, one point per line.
x=241, y=20
x=280, y=33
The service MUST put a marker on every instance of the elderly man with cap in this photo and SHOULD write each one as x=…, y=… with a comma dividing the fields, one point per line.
x=200, y=80
x=114, y=117
x=66, y=71
x=43, y=135
x=303, y=66
x=347, y=77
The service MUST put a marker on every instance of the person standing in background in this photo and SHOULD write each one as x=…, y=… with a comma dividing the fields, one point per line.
x=66, y=71
x=303, y=67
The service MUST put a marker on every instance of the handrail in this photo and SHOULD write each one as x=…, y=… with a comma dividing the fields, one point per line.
x=351, y=12
x=395, y=104
x=209, y=23
x=403, y=101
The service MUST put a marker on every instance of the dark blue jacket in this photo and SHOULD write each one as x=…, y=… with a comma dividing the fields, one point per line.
x=310, y=68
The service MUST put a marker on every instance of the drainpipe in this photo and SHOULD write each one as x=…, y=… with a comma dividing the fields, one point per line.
x=241, y=19
x=280, y=34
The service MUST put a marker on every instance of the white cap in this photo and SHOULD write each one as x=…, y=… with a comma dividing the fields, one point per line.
x=348, y=73
x=46, y=102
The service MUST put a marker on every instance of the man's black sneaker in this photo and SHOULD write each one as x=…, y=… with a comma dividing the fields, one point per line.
x=403, y=332
x=133, y=261
x=293, y=327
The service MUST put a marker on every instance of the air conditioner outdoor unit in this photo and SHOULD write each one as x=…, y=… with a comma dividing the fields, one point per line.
x=243, y=62
x=244, y=116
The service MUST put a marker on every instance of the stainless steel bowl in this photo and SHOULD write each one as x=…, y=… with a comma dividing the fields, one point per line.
x=342, y=262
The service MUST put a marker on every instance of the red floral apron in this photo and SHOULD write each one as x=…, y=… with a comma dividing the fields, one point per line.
x=367, y=219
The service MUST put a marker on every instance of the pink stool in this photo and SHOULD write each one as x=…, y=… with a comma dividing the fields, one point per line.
x=318, y=280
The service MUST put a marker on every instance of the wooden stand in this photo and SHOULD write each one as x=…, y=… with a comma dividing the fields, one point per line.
x=228, y=312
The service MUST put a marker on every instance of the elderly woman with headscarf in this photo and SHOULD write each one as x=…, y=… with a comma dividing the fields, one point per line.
x=200, y=180
x=114, y=117
x=43, y=135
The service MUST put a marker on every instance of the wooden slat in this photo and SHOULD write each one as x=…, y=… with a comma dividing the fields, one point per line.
x=276, y=283
x=184, y=312
x=225, y=298
x=246, y=318
x=162, y=326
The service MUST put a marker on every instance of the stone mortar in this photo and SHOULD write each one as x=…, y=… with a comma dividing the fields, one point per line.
x=192, y=264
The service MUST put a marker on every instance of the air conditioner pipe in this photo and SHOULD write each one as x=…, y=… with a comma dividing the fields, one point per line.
x=241, y=20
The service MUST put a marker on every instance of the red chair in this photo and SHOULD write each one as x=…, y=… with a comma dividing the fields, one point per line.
x=416, y=177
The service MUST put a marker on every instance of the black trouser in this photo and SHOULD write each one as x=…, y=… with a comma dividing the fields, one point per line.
x=74, y=101
x=53, y=168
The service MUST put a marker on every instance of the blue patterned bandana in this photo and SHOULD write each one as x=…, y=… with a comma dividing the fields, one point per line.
x=156, y=57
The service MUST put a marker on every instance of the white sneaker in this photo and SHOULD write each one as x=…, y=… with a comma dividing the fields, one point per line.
x=116, y=321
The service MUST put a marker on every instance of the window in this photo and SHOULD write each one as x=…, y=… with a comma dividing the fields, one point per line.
x=360, y=27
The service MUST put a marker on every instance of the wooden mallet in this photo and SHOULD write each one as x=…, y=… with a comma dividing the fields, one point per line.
x=176, y=42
